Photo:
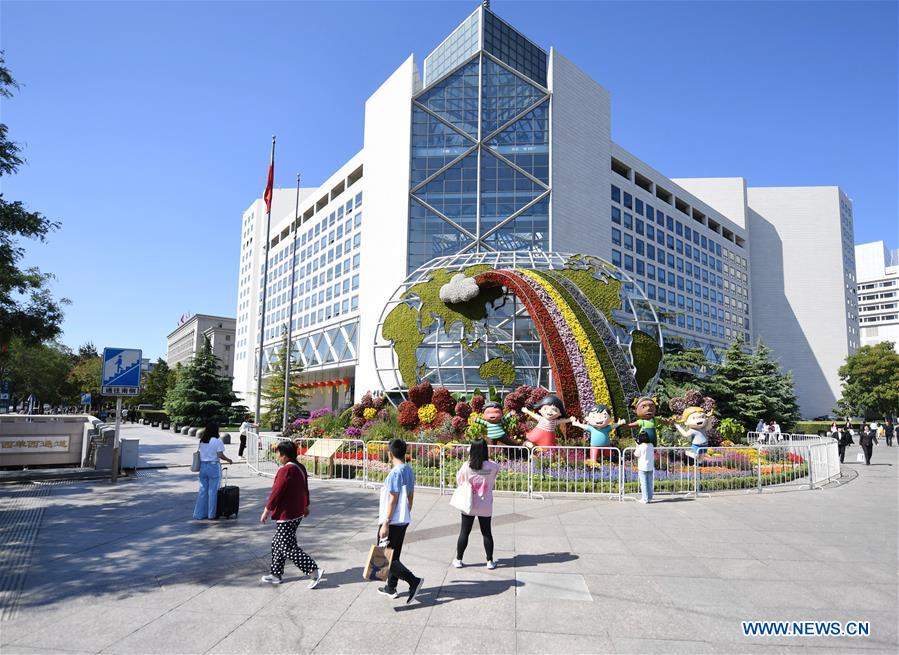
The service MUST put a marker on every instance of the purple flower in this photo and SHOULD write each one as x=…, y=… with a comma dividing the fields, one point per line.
x=318, y=413
x=352, y=432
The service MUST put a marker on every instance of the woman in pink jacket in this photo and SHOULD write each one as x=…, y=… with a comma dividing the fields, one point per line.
x=480, y=473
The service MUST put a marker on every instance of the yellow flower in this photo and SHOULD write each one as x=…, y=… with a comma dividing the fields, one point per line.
x=472, y=417
x=594, y=369
x=369, y=413
x=427, y=413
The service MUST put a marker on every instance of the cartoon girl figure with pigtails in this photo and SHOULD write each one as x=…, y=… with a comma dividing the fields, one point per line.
x=646, y=408
x=550, y=414
x=692, y=425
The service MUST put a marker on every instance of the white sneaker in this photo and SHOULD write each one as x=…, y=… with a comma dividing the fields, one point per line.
x=644, y=501
x=457, y=563
x=491, y=564
x=270, y=579
x=317, y=575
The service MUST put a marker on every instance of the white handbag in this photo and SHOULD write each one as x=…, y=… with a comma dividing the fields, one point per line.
x=860, y=457
x=461, y=499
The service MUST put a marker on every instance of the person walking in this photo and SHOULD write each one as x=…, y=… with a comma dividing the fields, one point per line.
x=288, y=505
x=211, y=451
x=245, y=427
x=394, y=515
x=480, y=474
x=888, y=431
x=867, y=440
x=843, y=441
x=645, y=453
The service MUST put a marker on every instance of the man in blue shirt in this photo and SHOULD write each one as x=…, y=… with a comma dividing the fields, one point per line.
x=394, y=515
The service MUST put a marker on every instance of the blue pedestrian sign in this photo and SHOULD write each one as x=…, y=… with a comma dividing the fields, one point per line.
x=121, y=372
x=85, y=399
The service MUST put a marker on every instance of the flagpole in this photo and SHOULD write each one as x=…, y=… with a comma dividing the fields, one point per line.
x=293, y=269
x=269, y=190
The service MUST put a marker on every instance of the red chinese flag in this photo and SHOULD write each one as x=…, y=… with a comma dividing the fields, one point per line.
x=267, y=196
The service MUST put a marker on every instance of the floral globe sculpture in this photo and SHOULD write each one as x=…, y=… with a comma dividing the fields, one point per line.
x=573, y=324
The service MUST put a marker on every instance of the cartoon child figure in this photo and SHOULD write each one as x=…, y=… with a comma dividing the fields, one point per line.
x=497, y=423
x=550, y=413
x=695, y=419
x=598, y=424
x=646, y=409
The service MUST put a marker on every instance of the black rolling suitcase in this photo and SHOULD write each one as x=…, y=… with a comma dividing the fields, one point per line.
x=228, y=498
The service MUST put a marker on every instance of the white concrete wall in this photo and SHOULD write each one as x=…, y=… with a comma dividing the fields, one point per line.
x=798, y=283
x=388, y=129
x=581, y=131
x=870, y=261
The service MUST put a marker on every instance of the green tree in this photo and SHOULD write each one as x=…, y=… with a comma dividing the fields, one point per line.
x=28, y=310
x=155, y=384
x=870, y=379
x=750, y=386
x=273, y=389
x=39, y=369
x=682, y=369
x=200, y=395
x=85, y=374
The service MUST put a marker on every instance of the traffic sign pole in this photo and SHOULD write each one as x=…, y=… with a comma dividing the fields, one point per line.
x=115, y=443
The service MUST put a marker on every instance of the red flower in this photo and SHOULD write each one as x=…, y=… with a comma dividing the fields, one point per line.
x=443, y=400
x=407, y=414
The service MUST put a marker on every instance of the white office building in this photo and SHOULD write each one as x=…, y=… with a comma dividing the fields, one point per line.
x=496, y=144
x=877, y=276
x=802, y=278
x=188, y=338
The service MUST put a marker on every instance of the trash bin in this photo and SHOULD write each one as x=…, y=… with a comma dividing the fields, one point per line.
x=128, y=453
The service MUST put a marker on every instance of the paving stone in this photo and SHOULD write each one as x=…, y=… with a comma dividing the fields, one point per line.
x=363, y=637
x=439, y=640
x=552, y=586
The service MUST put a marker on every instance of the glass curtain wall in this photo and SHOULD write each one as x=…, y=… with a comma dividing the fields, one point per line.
x=480, y=176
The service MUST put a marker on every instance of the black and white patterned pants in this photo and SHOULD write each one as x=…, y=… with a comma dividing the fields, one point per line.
x=284, y=547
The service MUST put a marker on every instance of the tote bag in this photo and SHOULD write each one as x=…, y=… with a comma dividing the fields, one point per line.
x=195, y=464
x=461, y=498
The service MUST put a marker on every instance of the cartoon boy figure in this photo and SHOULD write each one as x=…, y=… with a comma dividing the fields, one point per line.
x=598, y=424
x=646, y=409
x=497, y=423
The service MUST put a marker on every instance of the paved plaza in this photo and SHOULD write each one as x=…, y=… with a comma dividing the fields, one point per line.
x=88, y=567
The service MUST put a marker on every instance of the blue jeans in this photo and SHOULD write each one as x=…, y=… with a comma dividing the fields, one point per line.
x=210, y=474
x=646, y=484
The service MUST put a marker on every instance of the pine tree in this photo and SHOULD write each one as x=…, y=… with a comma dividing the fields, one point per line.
x=736, y=385
x=200, y=395
x=780, y=395
x=273, y=389
x=751, y=387
x=682, y=369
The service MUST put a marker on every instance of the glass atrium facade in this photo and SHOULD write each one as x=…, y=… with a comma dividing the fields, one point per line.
x=480, y=178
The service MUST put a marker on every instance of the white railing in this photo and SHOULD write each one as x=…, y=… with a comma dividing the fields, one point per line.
x=796, y=461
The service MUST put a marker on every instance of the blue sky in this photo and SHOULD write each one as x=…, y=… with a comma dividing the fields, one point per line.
x=147, y=125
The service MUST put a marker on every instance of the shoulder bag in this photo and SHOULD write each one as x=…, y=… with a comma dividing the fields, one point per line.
x=461, y=498
x=195, y=464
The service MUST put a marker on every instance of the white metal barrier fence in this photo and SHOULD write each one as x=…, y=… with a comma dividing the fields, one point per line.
x=795, y=462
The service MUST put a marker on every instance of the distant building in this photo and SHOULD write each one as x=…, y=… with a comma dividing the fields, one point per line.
x=185, y=340
x=877, y=276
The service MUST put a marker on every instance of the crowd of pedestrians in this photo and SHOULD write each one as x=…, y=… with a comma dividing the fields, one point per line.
x=289, y=503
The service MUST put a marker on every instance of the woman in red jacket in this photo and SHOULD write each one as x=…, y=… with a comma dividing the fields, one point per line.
x=288, y=504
